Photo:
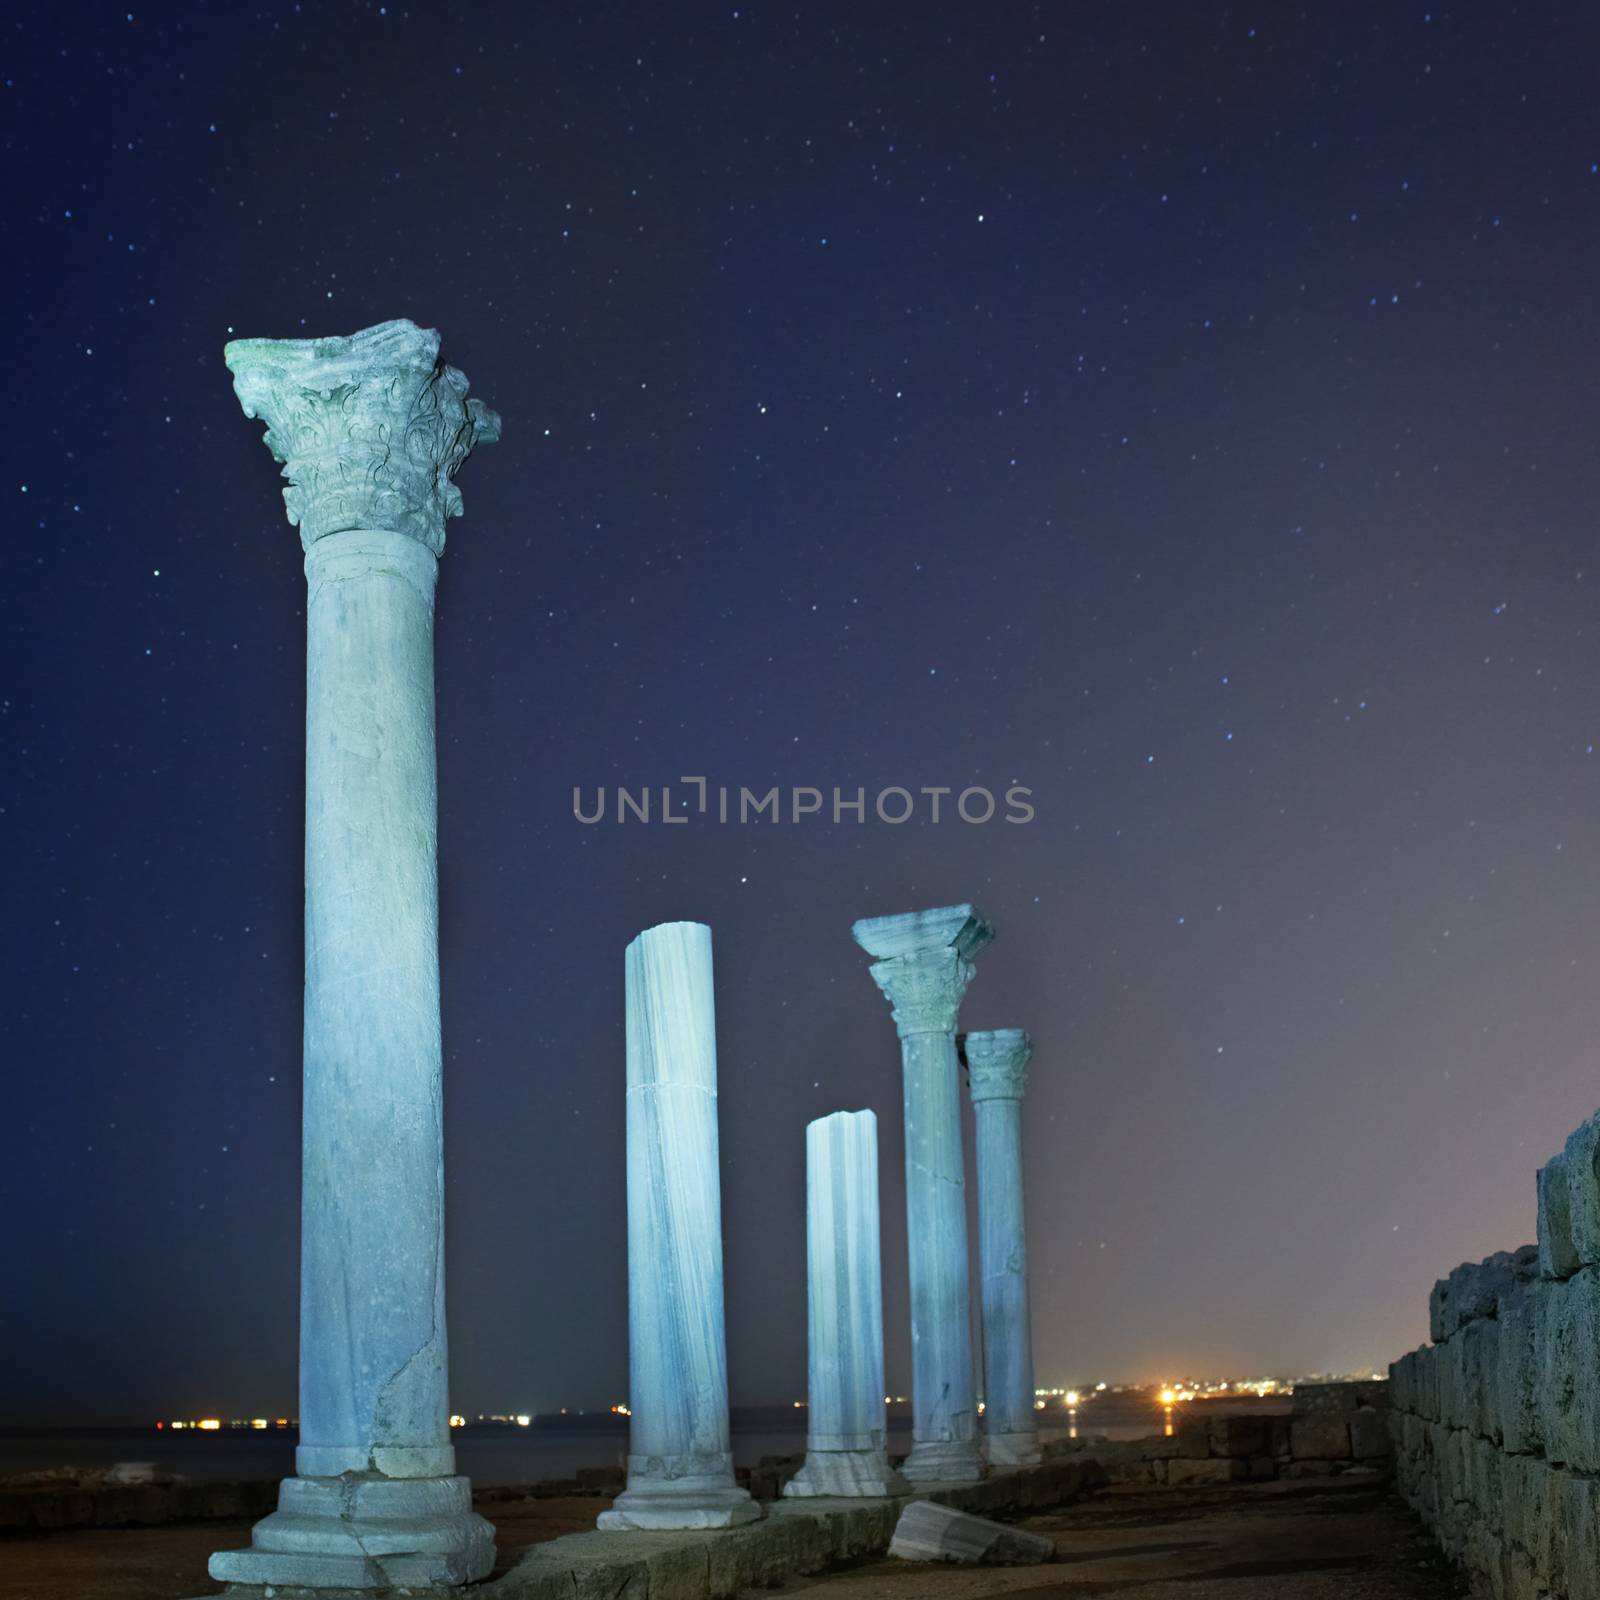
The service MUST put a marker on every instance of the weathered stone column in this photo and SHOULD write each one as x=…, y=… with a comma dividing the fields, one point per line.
x=847, y=1422
x=923, y=965
x=369, y=429
x=997, y=1073
x=680, y=1454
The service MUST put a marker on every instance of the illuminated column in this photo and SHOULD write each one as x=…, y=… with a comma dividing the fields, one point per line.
x=680, y=1454
x=369, y=429
x=997, y=1072
x=847, y=1424
x=923, y=965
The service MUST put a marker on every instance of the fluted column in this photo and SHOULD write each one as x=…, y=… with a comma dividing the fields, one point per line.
x=680, y=1453
x=369, y=429
x=923, y=966
x=846, y=1414
x=997, y=1074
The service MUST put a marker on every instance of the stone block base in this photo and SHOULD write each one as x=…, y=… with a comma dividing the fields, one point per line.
x=845, y=1475
x=364, y=1533
x=943, y=1461
x=650, y=1508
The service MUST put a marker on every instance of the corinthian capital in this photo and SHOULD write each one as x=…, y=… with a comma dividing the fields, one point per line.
x=997, y=1064
x=924, y=988
x=369, y=428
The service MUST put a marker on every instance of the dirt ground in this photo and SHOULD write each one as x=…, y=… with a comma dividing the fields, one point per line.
x=169, y=1563
x=1289, y=1541
x=1306, y=1540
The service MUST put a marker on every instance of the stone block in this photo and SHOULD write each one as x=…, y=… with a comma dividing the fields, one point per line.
x=1320, y=1438
x=1160, y=1447
x=1369, y=1433
x=1475, y=1289
x=1193, y=1438
x=1567, y=1338
x=1215, y=1469
x=1581, y=1161
x=930, y=1532
x=1517, y=1378
x=131, y=1505
x=1557, y=1258
x=1237, y=1436
x=1478, y=1378
x=1339, y=1399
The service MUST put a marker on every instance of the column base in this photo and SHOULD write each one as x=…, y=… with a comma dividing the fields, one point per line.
x=365, y=1532
x=660, y=1506
x=846, y=1475
x=1013, y=1449
x=943, y=1461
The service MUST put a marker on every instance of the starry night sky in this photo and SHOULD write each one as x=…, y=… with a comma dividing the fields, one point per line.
x=1184, y=411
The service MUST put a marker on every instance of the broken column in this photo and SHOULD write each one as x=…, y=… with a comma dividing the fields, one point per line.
x=997, y=1072
x=680, y=1454
x=847, y=1421
x=369, y=429
x=923, y=963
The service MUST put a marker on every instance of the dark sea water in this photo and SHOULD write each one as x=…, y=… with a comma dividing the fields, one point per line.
x=488, y=1455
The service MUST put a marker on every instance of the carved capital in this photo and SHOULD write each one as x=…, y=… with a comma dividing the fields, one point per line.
x=925, y=988
x=997, y=1064
x=369, y=428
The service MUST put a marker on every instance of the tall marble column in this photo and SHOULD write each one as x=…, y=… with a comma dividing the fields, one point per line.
x=923, y=964
x=846, y=1415
x=369, y=429
x=997, y=1074
x=680, y=1453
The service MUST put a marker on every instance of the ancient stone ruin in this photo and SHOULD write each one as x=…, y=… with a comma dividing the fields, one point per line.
x=1497, y=1422
x=370, y=430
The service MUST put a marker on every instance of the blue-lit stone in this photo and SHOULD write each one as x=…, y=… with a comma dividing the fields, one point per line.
x=924, y=965
x=847, y=1425
x=680, y=1460
x=369, y=429
x=997, y=1072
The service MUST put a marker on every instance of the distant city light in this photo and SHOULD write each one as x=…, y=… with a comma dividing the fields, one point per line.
x=523, y=1419
x=457, y=1420
x=209, y=1424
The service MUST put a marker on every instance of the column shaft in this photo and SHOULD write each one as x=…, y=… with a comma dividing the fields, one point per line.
x=373, y=1386
x=847, y=1426
x=680, y=1461
x=997, y=1063
x=945, y=1410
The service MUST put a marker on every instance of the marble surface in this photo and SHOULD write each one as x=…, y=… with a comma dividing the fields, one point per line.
x=846, y=1423
x=369, y=428
x=997, y=1070
x=680, y=1461
x=924, y=983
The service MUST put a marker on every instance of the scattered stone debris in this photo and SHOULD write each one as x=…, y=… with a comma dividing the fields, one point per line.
x=929, y=1532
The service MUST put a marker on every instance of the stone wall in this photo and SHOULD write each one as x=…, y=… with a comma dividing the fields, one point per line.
x=1497, y=1422
x=1334, y=1428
